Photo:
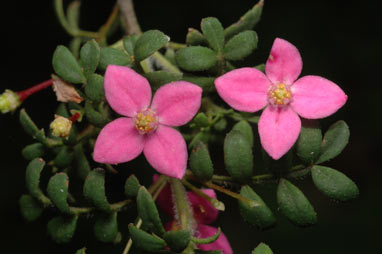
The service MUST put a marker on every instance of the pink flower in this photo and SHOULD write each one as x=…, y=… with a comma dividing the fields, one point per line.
x=283, y=97
x=146, y=127
x=204, y=213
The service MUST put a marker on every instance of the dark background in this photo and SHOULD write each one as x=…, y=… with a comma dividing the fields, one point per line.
x=339, y=40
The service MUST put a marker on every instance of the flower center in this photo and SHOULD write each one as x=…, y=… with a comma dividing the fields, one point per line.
x=280, y=95
x=146, y=121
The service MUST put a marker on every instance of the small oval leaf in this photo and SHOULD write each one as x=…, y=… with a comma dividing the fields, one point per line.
x=246, y=129
x=61, y=229
x=81, y=162
x=66, y=66
x=177, y=241
x=129, y=43
x=94, y=89
x=64, y=157
x=33, y=151
x=58, y=191
x=145, y=241
x=30, y=208
x=334, y=184
x=195, y=38
x=240, y=46
x=149, y=42
x=113, y=56
x=196, y=58
x=94, y=189
x=132, y=186
x=308, y=145
x=200, y=162
x=106, y=227
x=262, y=248
x=160, y=78
x=32, y=179
x=90, y=55
x=213, y=32
x=93, y=116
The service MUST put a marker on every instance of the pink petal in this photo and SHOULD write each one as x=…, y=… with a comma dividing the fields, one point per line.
x=316, y=97
x=284, y=63
x=166, y=151
x=177, y=103
x=118, y=142
x=244, y=89
x=126, y=91
x=279, y=130
x=221, y=243
x=204, y=212
x=164, y=200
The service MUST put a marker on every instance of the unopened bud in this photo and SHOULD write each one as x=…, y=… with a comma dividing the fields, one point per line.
x=61, y=126
x=9, y=101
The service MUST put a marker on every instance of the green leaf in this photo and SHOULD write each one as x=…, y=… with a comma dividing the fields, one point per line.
x=294, y=205
x=246, y=129
x=195, y=38
x=200, y=162
x=33, y=151
x=177, y=241
x=81, y=162
x=207, y=240
x=262, y=248
x=81, y=251
x=207, y=83
x=308, y=145
x=30, y=127
x=106, y=227
x=58, y=191
x=62, y=110
x=129, y=43
x=260, y=67
x=149, y=42
x=29, y=207
x=213, y=32
x=66, y=66
x=132, y=186
x=238, y=156
x=94, y=89
x=201, y=136
x=32, y=179
x=148, y=212
x=261, y=215
x=246, y=22
x=201, y=120
x=160, y=78
x=145, y=241
x=334, y=184
x=113, y=56
x=90, y=55
x=94, y=189
x=61, y=229
x=221, y=125
x=94, y=117
x=196, y=58
x=64, y=157
x=335, y=140
x=240, y=46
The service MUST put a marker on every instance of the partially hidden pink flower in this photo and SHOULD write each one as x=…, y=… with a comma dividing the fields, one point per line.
x=204, y=213
x=146, y=127
x=283, y=97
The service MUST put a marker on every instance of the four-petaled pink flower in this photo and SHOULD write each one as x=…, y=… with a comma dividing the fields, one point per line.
x=204, y=213
x=145, y=127
x=284, y=97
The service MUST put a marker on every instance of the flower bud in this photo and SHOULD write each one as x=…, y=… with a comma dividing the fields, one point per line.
x=9, y=101
x=61, y=126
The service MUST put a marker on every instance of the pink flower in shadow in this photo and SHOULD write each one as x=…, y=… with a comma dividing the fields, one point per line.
x=146, y=127
x=204, y=213
x=283, y=97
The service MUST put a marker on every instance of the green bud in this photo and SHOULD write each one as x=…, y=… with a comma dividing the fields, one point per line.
x=29, y=207
x=195, y=38
x=64, y=157
x=213, y=32
x=149, y=42
x=145, y=241
x=240, y=46
x=200, y=162
x=106, y=227
x=334, y=184
x=94, y=190
x=335, y=140
x=94, y=89
x=160, y=78
x=61, y=229
x=262, y=248
x=294, y=205
x=177, y=241
x=58, y=191
x=308, y=145
x=113, y=56
x=196, y=58
x=246, y=129
x=132, y=186
x=66, y=66
x=246, y=22
x=260, y=215
x=9, y=101
x=61, y=127
x=148, y=212
x=238, y=156
x=33, y=151
x=90, y=55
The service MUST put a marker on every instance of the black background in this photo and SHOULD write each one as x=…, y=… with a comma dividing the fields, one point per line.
x=340, y=40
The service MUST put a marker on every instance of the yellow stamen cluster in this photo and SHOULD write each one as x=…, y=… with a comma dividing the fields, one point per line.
x=146, y=121
x=280, y=95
